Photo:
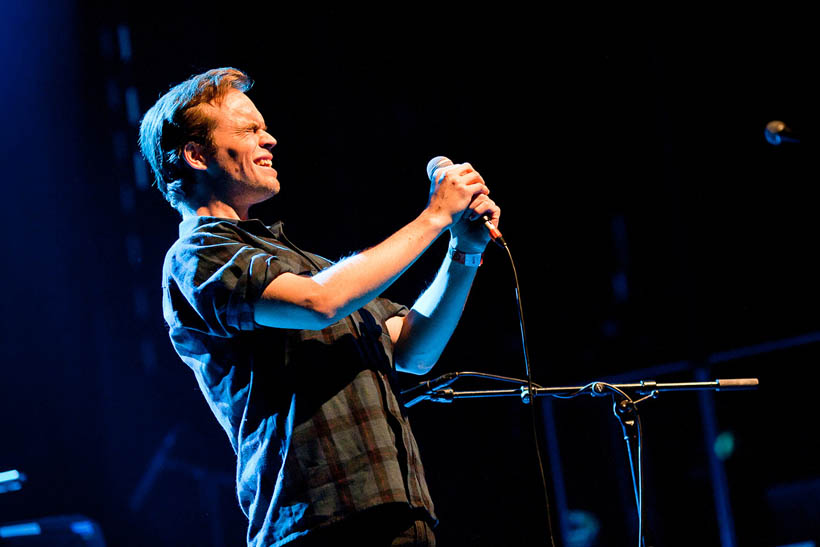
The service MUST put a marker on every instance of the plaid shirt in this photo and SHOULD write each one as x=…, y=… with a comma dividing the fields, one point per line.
x=312, y=415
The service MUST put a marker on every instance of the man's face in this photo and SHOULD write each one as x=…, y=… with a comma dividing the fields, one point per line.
x=241, y=160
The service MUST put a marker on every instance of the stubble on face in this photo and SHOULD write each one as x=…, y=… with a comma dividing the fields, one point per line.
x=240, y=165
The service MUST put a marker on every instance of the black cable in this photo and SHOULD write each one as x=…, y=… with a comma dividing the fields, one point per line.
x=494, y=377
x=573, y=395
x=641, y=513
x=637, y=477
x=530, y=386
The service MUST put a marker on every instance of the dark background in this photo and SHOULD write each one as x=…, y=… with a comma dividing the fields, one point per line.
x=656, y=233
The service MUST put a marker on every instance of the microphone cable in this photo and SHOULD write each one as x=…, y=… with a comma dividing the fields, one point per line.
x=432, y=166
x=530, y=384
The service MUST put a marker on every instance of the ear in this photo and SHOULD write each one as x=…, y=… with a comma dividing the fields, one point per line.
x=194, y=155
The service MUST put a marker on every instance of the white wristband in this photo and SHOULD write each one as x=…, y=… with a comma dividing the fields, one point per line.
x=472, y=260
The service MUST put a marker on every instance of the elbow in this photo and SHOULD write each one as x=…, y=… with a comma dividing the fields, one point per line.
x=326, y=306
x=326, y=310
x=307, y=312
x=322, y=319
x=414, y=367
x=415, y=364
x=419, y=346
x=295, y=302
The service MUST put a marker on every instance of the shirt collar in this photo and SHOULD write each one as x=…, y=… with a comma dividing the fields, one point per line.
x=252, y=225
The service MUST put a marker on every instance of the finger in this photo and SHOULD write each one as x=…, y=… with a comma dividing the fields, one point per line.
x=440, y=172
x=476, y=206
x=478, y=189
x=493, y=212
x=475, y=178
x=495, y=216
x=464, y=168
x=463, y=171
x=468, y=174
x=453, y=170
x=482, y=206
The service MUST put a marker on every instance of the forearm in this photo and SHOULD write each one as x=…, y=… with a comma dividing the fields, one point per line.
x=348, y=285
x=294, y=301
x=358, y=279
x=433, y=318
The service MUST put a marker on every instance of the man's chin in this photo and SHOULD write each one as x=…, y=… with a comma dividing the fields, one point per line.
x=268, y=192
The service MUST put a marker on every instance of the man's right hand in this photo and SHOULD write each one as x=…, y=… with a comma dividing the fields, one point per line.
x=297, y=302
x=452, y=189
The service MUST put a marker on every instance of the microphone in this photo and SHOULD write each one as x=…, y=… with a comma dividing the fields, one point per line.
x=440, y=161
x=778, y=132
x=422, y=391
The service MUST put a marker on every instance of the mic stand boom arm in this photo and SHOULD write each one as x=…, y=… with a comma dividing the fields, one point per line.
x=644, y=387
x=624, y=407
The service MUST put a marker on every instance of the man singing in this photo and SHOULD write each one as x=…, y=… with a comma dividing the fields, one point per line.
x=296, y=355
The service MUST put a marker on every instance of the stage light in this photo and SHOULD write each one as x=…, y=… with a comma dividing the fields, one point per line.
x=724, y=445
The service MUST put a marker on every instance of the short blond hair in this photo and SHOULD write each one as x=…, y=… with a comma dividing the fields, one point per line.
x=177, y=119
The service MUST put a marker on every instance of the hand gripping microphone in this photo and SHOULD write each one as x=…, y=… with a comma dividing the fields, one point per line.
x=440, y=161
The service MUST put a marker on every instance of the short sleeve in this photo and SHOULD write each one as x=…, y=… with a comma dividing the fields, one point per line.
x=213, y=281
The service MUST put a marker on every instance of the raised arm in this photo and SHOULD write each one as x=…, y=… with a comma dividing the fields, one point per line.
x=421, y=336
x=293, y=301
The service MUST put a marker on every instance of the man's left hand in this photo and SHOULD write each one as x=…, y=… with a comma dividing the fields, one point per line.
x=469, y=235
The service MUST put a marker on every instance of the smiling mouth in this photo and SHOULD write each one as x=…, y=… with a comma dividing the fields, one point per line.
x=264, y=163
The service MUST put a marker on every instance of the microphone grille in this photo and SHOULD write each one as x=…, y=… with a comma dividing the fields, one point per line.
x=435, y=163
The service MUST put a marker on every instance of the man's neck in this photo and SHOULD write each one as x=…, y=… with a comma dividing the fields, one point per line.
x=217, y=208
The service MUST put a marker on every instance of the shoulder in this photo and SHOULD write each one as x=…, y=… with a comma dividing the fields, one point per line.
x=206, y=237
x=212, y=241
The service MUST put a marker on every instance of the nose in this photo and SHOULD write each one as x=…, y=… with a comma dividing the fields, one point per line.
x=266, y=140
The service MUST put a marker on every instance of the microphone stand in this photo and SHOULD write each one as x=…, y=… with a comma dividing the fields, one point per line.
x=624, y=407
